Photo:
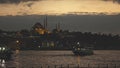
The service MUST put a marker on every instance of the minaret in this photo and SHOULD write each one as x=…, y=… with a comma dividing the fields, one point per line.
x=46, y=22
x=59, y=26
x=56, y=26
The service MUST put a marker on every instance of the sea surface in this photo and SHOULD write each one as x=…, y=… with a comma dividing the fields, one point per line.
x=50, y=59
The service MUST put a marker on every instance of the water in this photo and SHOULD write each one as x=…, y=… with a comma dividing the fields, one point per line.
x=35, y=59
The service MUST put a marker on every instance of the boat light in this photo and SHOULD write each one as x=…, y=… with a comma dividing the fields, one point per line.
x=38, y=46
x=3, y=48
x=78, y=43
x=0, y=48
x=78, y=48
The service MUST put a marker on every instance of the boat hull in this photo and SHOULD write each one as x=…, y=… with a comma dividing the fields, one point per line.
x=82, y=53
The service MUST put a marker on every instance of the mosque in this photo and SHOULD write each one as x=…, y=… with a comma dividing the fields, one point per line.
x=43, y=29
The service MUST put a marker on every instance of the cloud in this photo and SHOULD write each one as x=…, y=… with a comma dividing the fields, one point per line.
x=30, y=4
x=118, y=1
x=16, y=1
x=114, y=1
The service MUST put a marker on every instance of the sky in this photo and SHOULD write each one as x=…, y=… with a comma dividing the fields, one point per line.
x=57, y=7
x=74, y=15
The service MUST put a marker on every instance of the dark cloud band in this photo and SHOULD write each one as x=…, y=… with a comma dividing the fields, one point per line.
x=18, y=1
x=118, y=1
x=114, y=1
x=15, y=1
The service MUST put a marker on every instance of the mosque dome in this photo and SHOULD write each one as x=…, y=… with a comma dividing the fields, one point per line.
x=38, y=25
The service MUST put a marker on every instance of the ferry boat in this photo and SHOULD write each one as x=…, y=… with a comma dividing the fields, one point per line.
x=78, y=49
x=5, y=53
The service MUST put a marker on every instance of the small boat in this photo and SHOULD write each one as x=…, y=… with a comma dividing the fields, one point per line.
x=5, y=53
x=78, y=49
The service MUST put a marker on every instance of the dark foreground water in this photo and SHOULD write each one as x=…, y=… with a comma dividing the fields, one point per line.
x=52, y=59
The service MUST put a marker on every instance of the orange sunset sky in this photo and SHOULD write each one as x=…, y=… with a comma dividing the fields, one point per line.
x=58, y=7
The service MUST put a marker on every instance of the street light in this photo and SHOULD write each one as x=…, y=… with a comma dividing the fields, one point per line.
x=38, y=46
x=17, y=41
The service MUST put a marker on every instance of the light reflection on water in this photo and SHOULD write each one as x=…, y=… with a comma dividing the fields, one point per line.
x=2, y=63
x=33, y=58
x=17, y=62
x=78, y=59
x=11, y=63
